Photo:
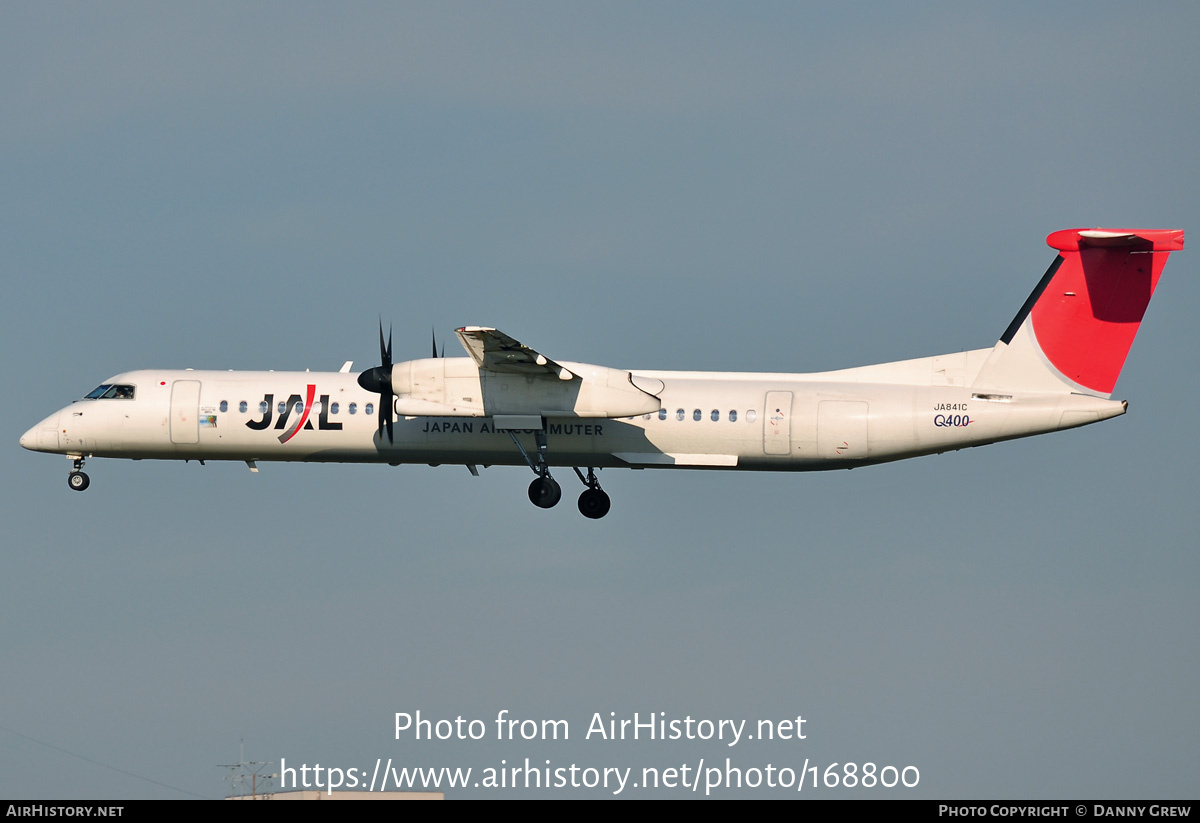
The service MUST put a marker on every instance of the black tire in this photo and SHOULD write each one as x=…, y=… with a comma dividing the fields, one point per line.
x=544, y=492
x=594, y=503
x=78, y=481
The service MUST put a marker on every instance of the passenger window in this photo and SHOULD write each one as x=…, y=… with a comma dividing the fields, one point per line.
x=242, y=407
x=353, y=408
x=224, y=407
x=696, y=414
x=716, y=415
x=662, y=414
x=333, y=408
x=263, y=408
x=282, y=407
x=679, y=413
x=370, y=409
x=750, y=415
x=732, y=416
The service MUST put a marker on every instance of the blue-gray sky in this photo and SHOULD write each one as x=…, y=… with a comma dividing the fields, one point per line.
x=776, y=187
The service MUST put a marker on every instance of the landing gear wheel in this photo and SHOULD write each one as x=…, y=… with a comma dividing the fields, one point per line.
x=544, y=492
x=594, y=503
x=78, y=481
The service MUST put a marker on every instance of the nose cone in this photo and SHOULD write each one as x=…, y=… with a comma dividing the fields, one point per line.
x=43, y=437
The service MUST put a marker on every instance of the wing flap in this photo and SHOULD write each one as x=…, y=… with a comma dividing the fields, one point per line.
x=671, y=459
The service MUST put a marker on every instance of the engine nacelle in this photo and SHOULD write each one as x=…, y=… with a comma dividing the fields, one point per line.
x=456, y=387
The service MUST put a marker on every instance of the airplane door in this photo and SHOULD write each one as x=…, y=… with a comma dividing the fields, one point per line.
x=185, y=411
x=842, y=429
x=777, y=423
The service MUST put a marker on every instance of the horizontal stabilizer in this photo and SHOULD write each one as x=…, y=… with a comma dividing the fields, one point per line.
x=1128, y=239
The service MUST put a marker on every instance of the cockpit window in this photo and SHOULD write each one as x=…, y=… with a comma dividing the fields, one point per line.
x=110, y=391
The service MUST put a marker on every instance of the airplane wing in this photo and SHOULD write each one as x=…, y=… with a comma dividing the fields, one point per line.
x=495, y=351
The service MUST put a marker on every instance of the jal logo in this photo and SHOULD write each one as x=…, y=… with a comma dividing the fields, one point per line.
x=298, y=409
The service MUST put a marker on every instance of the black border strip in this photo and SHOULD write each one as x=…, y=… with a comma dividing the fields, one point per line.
x=1011, y=331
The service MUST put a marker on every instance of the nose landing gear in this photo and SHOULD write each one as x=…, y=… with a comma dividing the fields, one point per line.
x=77, y=480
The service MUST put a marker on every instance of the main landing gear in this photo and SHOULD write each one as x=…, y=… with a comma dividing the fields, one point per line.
x=594, y=502
x=544, y=491
x=77, y=480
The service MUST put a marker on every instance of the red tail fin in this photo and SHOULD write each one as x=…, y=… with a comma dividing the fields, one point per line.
x=1089, y=305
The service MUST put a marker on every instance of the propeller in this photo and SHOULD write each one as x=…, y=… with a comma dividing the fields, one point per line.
x=433, y=343
x=379, y=380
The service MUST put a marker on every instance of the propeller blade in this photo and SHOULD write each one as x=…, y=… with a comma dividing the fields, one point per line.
x=385, y=414
x=385, y=352
x=378, y=379
x=433, y=340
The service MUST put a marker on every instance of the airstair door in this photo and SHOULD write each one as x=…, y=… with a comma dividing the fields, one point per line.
x=185, y=411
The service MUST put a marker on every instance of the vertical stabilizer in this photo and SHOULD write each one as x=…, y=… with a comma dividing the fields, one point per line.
x=1075, y=330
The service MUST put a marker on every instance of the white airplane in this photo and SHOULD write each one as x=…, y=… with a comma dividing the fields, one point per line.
x=1054, y=368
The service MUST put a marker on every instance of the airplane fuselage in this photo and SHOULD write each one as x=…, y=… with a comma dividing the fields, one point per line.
x=757, y=421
